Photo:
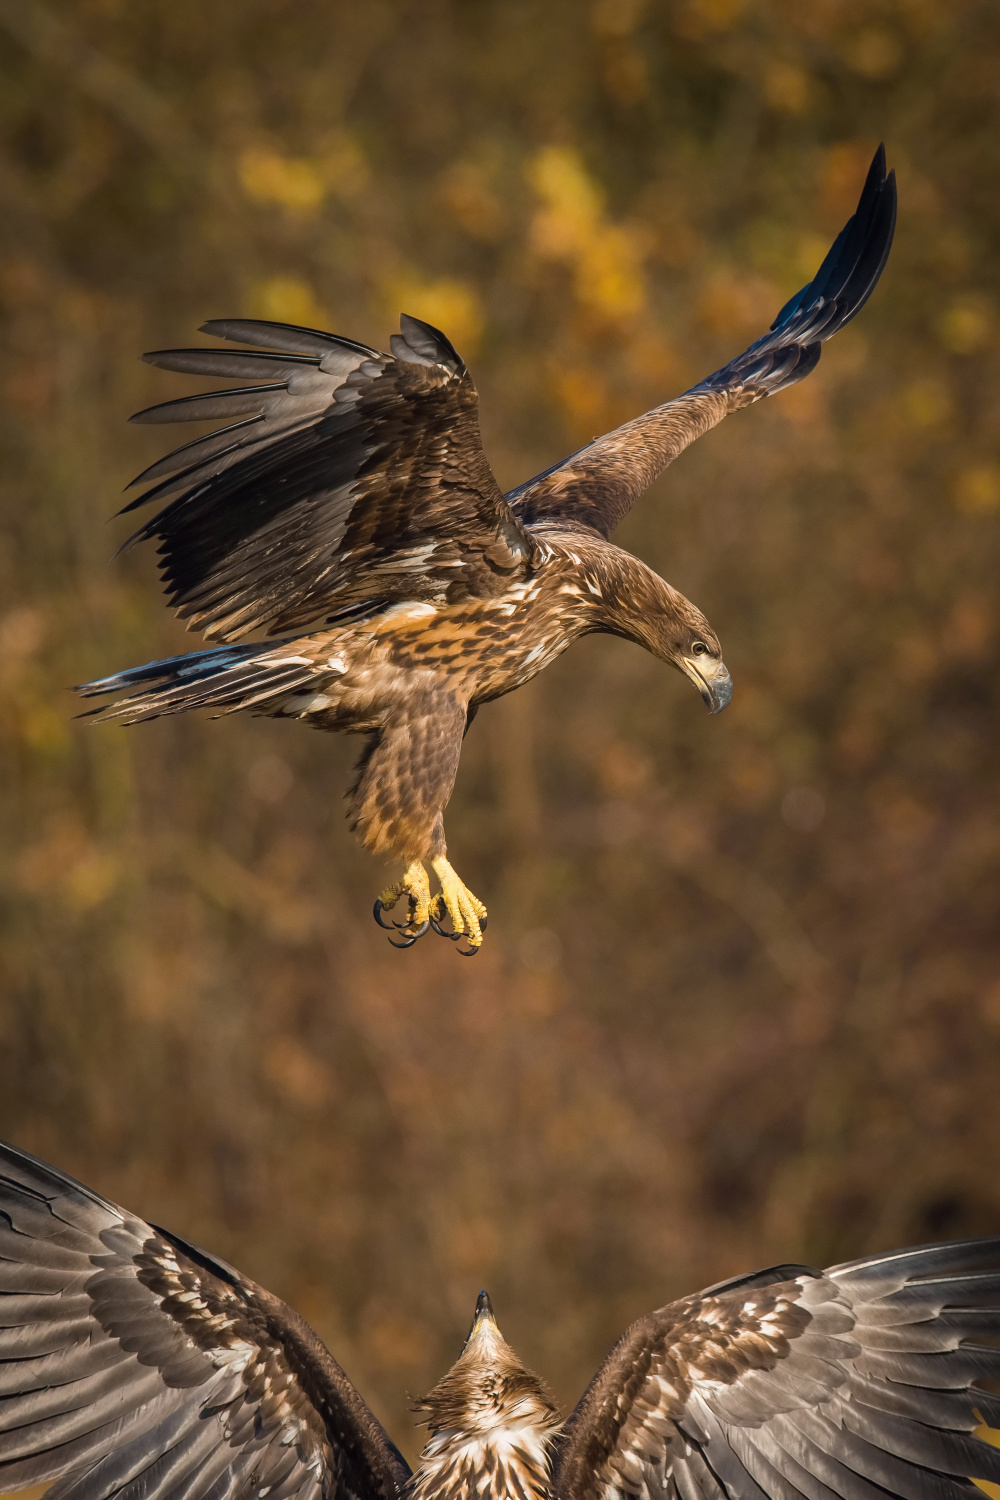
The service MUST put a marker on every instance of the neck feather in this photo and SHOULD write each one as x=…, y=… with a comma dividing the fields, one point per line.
x=491, y=1424
x=622, y=595
x=504, y=1463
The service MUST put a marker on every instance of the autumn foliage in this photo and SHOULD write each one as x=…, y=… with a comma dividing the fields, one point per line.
x=740, y=997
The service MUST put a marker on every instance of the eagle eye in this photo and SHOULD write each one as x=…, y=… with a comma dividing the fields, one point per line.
x=699, y=649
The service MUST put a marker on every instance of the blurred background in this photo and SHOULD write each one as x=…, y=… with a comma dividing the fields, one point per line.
x=740, y=997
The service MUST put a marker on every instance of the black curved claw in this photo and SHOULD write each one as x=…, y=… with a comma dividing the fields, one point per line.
x=483, y=924
x=377, y=914
x=464, y=952
x=410, y=937
x=453, y=936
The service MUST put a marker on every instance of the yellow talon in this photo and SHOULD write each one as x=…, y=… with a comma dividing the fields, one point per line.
x=467, y=912
x=417, y=888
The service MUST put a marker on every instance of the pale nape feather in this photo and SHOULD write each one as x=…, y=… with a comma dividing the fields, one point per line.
x=491, y=1421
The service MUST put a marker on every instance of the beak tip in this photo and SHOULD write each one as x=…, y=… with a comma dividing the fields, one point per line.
x=718, y=691
x=715, y=687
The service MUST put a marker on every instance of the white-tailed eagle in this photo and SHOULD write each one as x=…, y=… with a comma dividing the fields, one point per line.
x=347, y=508
x=135, y=1366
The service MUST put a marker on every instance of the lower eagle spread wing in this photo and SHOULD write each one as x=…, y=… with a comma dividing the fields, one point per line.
x=347, y=478
x=598, y=485
x=794, y=1384
x=134, y=1365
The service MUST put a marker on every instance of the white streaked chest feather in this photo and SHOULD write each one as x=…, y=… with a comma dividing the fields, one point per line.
x=509, y=1463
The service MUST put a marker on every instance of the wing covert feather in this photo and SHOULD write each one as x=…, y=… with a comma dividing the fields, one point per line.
x=342, y=474
x=857, y=1382
x=133, y=1364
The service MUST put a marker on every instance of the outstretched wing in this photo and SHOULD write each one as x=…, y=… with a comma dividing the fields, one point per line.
x=134, y=1365
x=795, y=1384
x=598, y=485
x=342, y=477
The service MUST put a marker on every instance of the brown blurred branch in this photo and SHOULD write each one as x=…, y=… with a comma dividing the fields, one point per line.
x=57, y=45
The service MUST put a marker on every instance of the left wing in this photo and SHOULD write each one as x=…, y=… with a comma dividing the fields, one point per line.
x=795, y=1384
x=598, y=485
x=348, y=478
x=134, y=1365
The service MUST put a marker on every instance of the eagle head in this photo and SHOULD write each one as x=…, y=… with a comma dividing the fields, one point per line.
x=486, y=1416
x=646, y=609
x=683, y=637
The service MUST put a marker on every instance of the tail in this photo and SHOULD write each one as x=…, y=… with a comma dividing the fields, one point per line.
x=229, y=678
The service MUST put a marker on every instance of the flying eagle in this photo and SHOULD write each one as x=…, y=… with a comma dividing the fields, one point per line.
x=133, y=1364
x=347, y=507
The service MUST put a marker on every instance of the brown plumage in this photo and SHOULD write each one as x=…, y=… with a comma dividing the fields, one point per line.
x=134, y=1365
x=348, y=507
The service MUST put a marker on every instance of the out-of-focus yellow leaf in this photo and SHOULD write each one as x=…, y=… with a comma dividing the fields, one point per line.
x=697, y=19
x=989, y=1435
x=269, y=177
x=977, y=489
x=874, y=52
x=471, y=201
x=448, y=304
x=288, y=299
x=732, y=304
x=570, y=226
x=967, y=325
x=609, y=276
x=928, y=402
x=584, y=397
x=616, y=17
x=572, y=204
x=786, y=88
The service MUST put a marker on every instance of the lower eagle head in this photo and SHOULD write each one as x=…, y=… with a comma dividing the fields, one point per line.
x=491, y=1422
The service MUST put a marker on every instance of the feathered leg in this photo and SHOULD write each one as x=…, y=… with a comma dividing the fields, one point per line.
x=404, y=783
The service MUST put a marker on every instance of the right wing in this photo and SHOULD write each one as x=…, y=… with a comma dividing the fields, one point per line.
x=852, y=1384
x=134, y=1365
x=598, y=485
x=349, y=478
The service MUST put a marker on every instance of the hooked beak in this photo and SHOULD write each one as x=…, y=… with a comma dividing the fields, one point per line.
x=483, y=1315
x=712, y=680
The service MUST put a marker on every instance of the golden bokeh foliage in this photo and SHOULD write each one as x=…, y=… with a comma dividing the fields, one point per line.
x=740, y=997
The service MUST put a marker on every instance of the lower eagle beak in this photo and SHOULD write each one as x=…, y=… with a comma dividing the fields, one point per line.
x=483, y=1316
x=712, y=680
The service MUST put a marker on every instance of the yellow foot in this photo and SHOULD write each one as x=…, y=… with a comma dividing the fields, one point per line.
x=467, y=912
x=416, y=887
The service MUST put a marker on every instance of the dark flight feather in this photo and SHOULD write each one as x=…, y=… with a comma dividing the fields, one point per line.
x=883, y=1403
x=228, y=678
x=132, y=1364
x=341, y=466
x=357, y=463
x=598, y=485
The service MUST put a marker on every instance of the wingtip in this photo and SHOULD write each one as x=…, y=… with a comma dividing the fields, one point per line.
x=429, y=343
